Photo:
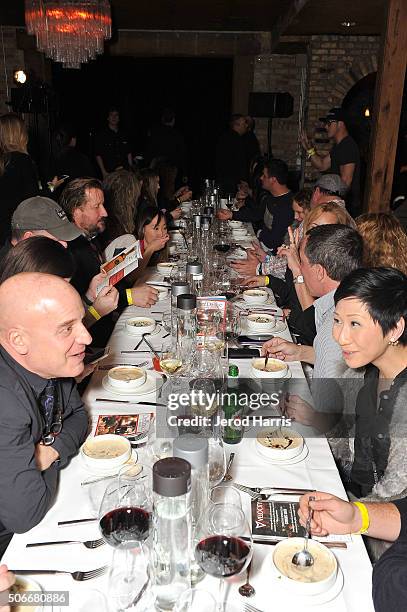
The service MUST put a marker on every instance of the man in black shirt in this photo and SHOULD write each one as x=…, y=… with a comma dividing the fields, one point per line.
x=251, y=144
x=43, y=421
x=231, y=163
x=165, y=142
x=343, y=159
x=273, y=206
x=112, y=146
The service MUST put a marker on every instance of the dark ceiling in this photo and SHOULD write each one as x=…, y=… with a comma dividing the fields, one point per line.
x=317, y=17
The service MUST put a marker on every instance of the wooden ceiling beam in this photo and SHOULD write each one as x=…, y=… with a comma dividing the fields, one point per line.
x=284, y=21
x=387, y=108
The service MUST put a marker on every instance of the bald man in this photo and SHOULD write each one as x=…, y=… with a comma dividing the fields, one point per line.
x=42, y=418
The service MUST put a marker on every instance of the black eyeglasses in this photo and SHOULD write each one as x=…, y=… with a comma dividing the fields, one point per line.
x=55, y=429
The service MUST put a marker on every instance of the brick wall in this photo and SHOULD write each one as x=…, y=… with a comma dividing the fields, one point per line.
x=281, y=73
x=10, y=59
x=335, y=64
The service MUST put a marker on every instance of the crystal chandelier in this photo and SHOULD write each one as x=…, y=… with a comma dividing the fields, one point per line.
x=69, y=31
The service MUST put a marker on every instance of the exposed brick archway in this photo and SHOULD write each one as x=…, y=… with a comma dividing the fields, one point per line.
x=358, y=70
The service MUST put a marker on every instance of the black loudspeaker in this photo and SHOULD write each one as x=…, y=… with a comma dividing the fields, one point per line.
x=278, y=105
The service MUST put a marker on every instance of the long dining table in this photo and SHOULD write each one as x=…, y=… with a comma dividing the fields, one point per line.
x=75, y=500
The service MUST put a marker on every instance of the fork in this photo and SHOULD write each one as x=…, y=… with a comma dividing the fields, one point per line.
x=87, y=543
x=244, y=489
x=256, y=492
x=78, y=575
x=249, y=608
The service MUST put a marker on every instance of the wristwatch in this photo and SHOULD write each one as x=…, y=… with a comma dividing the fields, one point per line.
x=298, y=280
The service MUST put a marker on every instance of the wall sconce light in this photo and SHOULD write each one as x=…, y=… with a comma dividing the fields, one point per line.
x=20, y=76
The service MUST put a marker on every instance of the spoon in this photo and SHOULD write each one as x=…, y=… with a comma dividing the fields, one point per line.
x=303, y=558
x=227, y=475
x=266, y=360
x=247, y=590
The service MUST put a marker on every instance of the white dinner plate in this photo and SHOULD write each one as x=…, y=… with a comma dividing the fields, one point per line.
x=299, y=601
x=303, y=454
x=246, y=305
x=153, y=382
x=113, y=471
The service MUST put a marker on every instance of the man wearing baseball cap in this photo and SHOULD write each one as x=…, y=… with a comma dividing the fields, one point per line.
x=344, y=157
x=40, y=216
x=329, y=188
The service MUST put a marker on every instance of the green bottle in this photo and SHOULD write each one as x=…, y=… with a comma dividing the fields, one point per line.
x=233, y=431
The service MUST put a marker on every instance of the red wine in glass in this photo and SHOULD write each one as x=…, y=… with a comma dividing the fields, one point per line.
x=122, y=527
x=222, y=556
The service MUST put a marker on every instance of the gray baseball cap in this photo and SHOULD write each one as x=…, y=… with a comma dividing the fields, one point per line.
x=332, y=183
x=40, y=213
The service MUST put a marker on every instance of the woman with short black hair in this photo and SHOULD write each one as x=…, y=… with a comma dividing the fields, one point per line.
x=370, y=326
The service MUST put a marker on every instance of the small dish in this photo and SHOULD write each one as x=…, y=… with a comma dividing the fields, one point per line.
x=284, y=461
x=276, y=368
x=279, y=443
x=106, y=452
x=140, y=325
x=126, y=378
x=313, y=580
x=154, y=381
x=166, y=267
x=261, y=322
x=255, y=296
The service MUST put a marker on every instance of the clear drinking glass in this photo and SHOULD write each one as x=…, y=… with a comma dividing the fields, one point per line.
x=124, y=522
x=225, y=494
x=170, y=359
x=224, y=547
x=196, y=600
x=217, y=459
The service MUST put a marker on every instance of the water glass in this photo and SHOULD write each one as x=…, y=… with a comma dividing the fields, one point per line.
x=225, y=494
x=196, y=600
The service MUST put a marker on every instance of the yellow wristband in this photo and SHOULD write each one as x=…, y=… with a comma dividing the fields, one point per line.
x=129, y=297
x=267, y=281
x=365, y=518
x=311, y=152
x=94, y=313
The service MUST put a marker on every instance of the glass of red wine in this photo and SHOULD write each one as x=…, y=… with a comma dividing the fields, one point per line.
x=124, y=522
x=224, y=544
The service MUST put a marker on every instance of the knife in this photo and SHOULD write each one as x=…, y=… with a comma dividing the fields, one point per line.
x=274, y=542
x=115, y=401
x=77, y=521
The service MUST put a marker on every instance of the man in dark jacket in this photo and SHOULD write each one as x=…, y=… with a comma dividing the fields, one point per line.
x=43, y=421
x=231, y=163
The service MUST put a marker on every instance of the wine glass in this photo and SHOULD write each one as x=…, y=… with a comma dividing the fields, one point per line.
x=224, y=544
x=203, y=398
x=217, y=459
x=196, y=600
x=124, y=522
x=170, y=360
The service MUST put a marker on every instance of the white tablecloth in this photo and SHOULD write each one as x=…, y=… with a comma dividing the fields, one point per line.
x=317, y=471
